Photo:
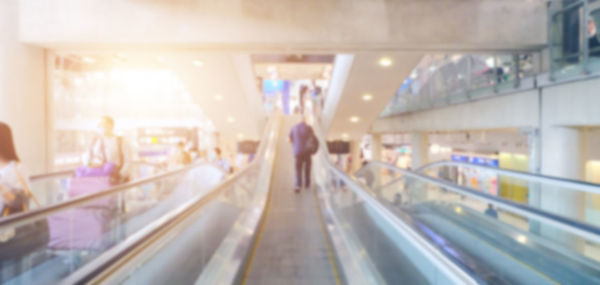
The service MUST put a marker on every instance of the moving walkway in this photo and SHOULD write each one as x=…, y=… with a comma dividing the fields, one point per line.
x=251, y=228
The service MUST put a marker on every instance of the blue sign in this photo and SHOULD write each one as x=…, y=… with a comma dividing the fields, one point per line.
x=459, y=158
x=486, y=161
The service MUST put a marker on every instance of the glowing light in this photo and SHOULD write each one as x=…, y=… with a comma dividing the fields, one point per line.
x=78, y=81
x=198, y=63
x=521, y=239
x=231, y=119
x=345, y=136
x=219, y=97
x=385, y=61
x=160, y=59
x=367, y=97
x=354, y=119
x=489, y=61
x=100, y=76
x=240, y=136
x=434, y=149
x=88, y=59
x=458, y=209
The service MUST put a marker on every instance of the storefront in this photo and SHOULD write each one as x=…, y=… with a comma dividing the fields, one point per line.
x=475, y=178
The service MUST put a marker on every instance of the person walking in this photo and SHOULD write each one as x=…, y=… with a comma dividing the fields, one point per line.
x=304, y=144
x=110, y=152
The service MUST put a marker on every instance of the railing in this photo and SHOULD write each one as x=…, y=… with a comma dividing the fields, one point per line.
x=523, y=187
x=567, y=224
x=67, y=236
x=128, y=259
x=51, y=188
x=573, y=38
x=566, y=184
x=473, y=227
x=339, y=194
x=453, y=78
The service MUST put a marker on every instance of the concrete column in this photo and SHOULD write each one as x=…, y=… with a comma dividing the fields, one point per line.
x=22, y=91
x=534, y=189
x=419, y=143
x=355, y=154
x=376, y=147
x=562, y=156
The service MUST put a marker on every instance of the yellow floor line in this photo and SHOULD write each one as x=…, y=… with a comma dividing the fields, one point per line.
x=330, y=254
x=261, y=228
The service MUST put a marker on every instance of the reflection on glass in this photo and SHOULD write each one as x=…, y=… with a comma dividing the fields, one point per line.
x=496, y=245
x=58, y=244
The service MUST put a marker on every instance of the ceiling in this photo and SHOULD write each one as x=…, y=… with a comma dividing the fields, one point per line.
x=222, y=84
x=350, y=115
x=225, y=85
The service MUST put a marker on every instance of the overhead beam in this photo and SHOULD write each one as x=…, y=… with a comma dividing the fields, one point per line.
x=287, y=25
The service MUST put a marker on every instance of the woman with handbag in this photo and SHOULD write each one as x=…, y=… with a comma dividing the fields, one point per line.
x=15, y=194
x=14, y=189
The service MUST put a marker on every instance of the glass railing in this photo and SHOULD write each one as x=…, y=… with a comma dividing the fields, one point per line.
x=537, y=191
x=204, y=237
x=440, y=80
x=487, y=236
x=372, y=244
x=574, y=43
x=53, y=188
x=50, y=243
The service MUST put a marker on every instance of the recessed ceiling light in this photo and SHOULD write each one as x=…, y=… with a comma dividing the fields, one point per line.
x=219, y=97
x=385, y=61
x=345, y=136
x=240, y=136
x=354, y=119
x=367, y=97
x=198, y=63
x=230, y=119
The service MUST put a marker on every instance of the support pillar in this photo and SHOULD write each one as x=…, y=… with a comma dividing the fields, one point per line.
x=355, y=154
x=419, y=142
x=23, y=104
x=534, y=188
x=376, y=147
x=562, y=156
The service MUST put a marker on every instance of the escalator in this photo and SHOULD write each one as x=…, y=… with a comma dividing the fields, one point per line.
x=504, y=248
x=251, y=228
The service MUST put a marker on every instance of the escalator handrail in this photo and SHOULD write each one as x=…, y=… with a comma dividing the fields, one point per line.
x=587, y=231
x=569, y=184
x=453, y=271
x=55, y=174
x=101, y=264
x=445, y=265
x=32, y=215
x=68, y=172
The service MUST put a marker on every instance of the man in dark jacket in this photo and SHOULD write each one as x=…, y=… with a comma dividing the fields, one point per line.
x=299, y=136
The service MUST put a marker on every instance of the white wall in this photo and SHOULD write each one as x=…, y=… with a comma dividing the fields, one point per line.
x=22, y=91
x=572, y=104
